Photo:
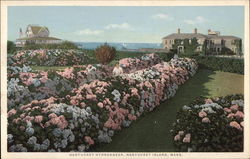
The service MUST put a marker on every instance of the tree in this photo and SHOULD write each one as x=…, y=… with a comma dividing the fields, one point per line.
x=105, y=53
x=11, y=48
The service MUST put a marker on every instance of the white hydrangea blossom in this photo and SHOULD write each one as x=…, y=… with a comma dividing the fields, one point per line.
x=117, y=95
x=238, y=102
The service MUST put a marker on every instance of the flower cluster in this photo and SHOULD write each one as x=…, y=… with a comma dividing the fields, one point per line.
x=86, y=73
x=132, y=64
x=85, y=103
x=52, y=57
x=215, y=125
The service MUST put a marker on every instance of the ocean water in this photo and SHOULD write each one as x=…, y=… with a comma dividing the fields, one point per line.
x=120, y=46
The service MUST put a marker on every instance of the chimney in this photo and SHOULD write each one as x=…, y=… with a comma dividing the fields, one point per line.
x=178, y=30
x=20, y=33
x=195, y=30
x=208, y=31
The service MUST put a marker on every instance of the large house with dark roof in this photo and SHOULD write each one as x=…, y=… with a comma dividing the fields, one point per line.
x=35, y=34
x=212, y=43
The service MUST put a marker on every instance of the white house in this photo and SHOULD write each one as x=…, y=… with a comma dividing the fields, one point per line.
x=36, y=35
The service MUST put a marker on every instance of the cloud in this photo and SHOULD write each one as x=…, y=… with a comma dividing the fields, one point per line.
x=89, y=32
x=123, y=26
x=196, y=20
x=162, y=16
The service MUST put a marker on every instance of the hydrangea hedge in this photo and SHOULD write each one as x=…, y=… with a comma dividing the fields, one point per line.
x=210, y=125
x=82, y=106
x=48, y=57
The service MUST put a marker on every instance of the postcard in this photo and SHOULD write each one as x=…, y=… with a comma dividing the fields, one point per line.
x=125, y=79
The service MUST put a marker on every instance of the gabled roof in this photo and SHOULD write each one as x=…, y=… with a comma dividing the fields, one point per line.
x=37, y=29
x=184, y=36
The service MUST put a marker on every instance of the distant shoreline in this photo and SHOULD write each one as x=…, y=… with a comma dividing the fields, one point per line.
x=120, y=45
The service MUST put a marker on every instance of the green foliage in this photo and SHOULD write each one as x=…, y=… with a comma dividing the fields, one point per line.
x=105, y=54
x=189, y=48
x=166, y=56
x=226, y=51
x=11, y=48
x=63, y=45
x=232, y=65
x=238, y=44
x=127, y=54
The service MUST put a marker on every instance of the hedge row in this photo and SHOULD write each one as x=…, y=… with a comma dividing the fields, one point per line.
x=232, y=65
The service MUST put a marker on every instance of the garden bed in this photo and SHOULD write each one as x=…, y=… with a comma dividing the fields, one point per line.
x=90, y=111
x=210, y=125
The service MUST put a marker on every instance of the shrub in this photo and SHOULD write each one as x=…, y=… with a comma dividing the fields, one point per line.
x=11, y=48
x=105, y=54
x=67, y=45
x=63, y=45
x=210, y=125
x=232, y=65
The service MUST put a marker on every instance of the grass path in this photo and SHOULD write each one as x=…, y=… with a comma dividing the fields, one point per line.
x=151, y=132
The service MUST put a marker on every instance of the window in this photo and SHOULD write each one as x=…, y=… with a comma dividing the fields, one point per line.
x=218, y=49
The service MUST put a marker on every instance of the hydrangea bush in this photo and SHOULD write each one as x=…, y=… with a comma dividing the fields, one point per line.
x=210, y=125
x=51, y=57
x=86, y=105
x=25, y=85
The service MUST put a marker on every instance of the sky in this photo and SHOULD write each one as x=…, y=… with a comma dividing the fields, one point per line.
x=125, y=24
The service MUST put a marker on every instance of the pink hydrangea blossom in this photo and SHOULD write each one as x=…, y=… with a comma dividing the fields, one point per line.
x=236, y=125
x=83, y=105
x=242, y=123
x=177, y=137
x=206, y=120
x=22, y=115
x=67, y=73
x=28, y=118
x=227, y=110
x=131, y=117
x=100, y=105
x=17, y=120
x=231, y=115
x=239, y=114
x=52, y=115
x=11, y=112
x=89, y=140
x=202, y=114
x=38, y=118
x=186, y=139
x=234, y=107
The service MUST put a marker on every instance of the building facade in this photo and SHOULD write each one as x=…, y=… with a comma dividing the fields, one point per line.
x=35, y=34
x=213, y=43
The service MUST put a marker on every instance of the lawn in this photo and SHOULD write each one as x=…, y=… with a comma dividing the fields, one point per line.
x=151, y=132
